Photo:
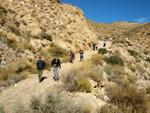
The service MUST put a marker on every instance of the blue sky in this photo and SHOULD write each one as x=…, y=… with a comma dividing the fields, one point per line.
x=108, y=11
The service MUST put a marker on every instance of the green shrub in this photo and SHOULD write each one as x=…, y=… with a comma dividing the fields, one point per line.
x=133, y=53
x=96, y=59
x=14, y=30
x=128, y=96
x=148, y=59
x=3, y=11
x=133, y=68
x=46, y=36
x=29, y=47
x=2, y=109
x=57, y=50
x=148, y=90
x=83, y=85
x=102, y=50
x=114, y=60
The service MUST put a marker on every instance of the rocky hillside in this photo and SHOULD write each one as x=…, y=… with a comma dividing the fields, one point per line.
x=137, y=33
x=40, y=22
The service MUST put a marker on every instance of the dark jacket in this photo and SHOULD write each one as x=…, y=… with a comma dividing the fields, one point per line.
x=41, y=65
x=57, y=62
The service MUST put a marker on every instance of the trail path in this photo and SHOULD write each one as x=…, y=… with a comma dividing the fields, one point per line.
x=22, y=92
x=25, y=89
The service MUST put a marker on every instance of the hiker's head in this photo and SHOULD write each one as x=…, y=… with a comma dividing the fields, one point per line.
x=55, y=57
x=40, y=58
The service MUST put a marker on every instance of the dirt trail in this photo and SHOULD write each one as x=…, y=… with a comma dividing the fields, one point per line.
x=24, y=90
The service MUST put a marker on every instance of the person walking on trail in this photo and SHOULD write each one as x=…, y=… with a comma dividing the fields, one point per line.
x=3, y=63
x=81, y=55
x=56, y=66
x=96, y=47
x=40, y=67
x=104, y=45
x=72, y=56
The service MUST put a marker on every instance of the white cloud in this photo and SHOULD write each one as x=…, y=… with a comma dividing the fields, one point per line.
x=142, y=20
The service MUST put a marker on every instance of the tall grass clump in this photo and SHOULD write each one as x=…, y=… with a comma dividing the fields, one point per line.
x=102, y=50
x=114, y=60
x=127, y=96
x=57, y=50
x=97, y=59
x=83, y=85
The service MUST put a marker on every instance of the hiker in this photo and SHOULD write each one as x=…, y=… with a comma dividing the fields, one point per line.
x=81, y=55
x=96, y=47
x=104, y=44
x=3, y=63
x=72, y=56
x=40, y=66
x=56, y=66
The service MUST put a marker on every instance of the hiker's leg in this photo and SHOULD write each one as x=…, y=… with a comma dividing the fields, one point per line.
x=40, y=75
x=55, y=73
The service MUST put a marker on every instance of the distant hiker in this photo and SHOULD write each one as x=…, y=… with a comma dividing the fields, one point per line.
x=96, y=47
x=56, y=66
x=104, y=44
x=72, y=56
x=40, y=66
x=3, y=63
x=81, y=55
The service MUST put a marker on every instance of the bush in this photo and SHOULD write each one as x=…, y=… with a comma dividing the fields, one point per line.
x=148, y=90
x=2, y=109
x=83, y=85
x=108, y=108
x=55, y=104
x=11, y=40
x=133, y=53
x=69, y=80
x=102, y=50
x=47, y=37
x=114, y=60
x=3, y=11
x=133, y=68
x=56, y=50
x=14, y=30
x=96, y=59
x=128, y=96
x=29, y=47
x=145, y=65
x=148, y=59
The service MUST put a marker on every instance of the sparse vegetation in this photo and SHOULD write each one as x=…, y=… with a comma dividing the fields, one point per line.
x=133, y=53
x=114, y=60
x=56, y=50
x=102, y=50
x=97, y=59
x=148, y=59
x=133, y=68
x=128, y=96
x=83, y=85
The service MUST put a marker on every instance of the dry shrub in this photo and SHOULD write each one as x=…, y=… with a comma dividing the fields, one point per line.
x=69, y=80
x=11, y=40
x=23, y=65
x=97, y=59
x=145, y=65
x=114, y=60
x=133, y=68
x=2, y=109
x=109, y=108
x=128, y=96
x=55, y=104
x=83, y=85
x=48, y=62
x=96, y=75
x=116, y=72
x=29, y=47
